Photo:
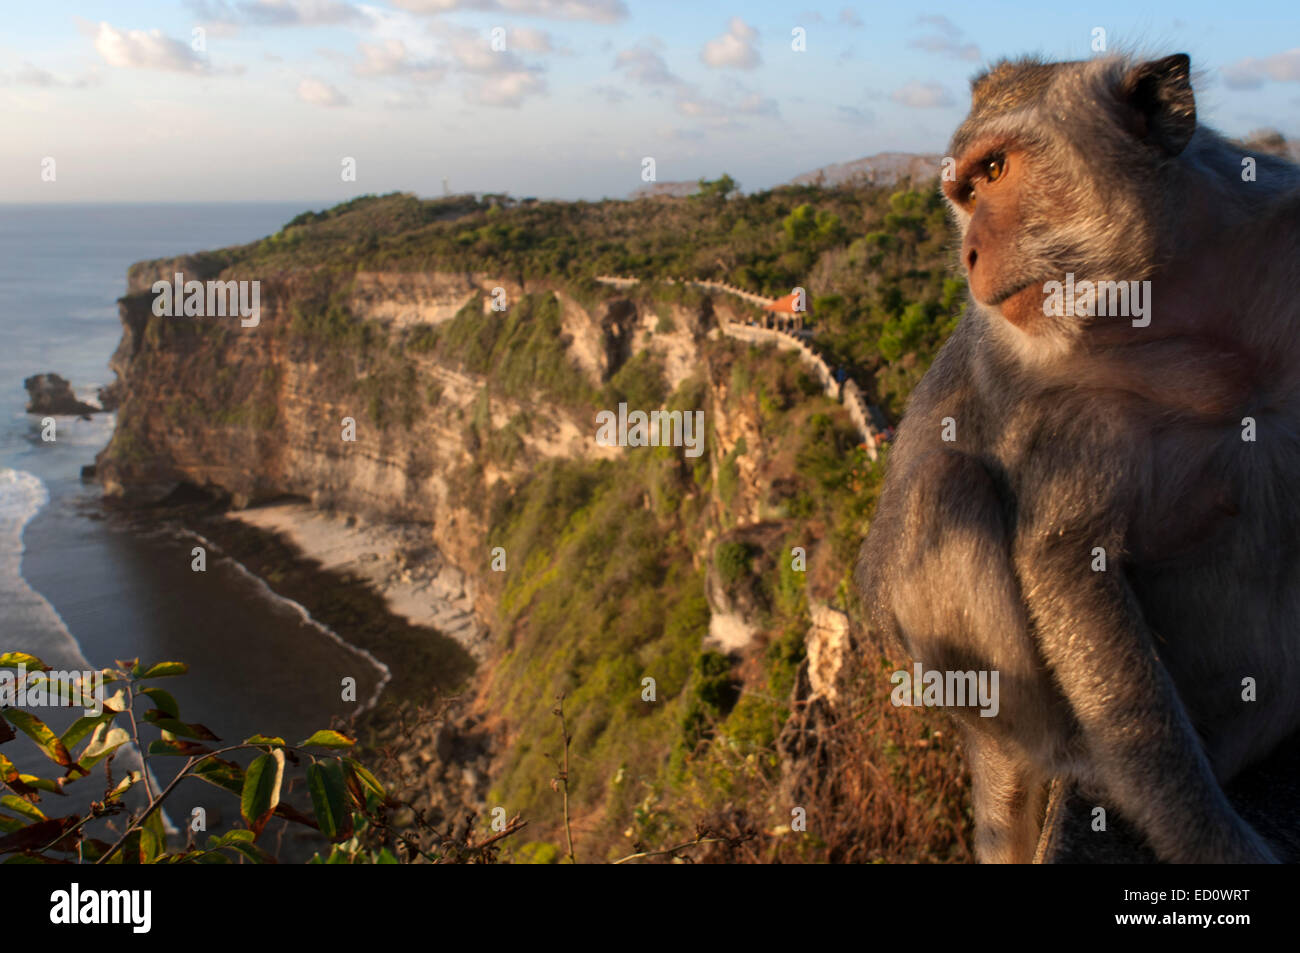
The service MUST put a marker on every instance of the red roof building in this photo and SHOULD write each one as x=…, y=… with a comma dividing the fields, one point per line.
x=784, y=312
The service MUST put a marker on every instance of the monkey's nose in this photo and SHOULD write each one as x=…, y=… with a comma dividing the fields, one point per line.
x=970, y=259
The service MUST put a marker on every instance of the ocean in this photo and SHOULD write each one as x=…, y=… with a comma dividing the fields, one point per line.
x=79, y=590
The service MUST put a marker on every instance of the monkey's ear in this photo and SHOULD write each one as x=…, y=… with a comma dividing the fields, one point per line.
x=1160, y=102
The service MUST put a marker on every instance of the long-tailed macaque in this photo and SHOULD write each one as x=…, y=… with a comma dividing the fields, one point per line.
x=1095, y=490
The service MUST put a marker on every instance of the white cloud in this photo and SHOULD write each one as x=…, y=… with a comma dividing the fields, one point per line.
x=734, y=49
x=1251, y=72
x=392, y=58
x=849, y=18
x=320, y=93
x=140, y=49
x=645, y=66
x=534, y=41
x=597, y=11
x=275, y=12
x=756, y=104
x=922, y=96
x=944, y=38
x=505, y=89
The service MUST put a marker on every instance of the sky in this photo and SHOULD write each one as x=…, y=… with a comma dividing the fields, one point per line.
x=258, y=100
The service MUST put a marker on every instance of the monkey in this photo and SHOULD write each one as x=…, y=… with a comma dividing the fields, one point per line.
x=1105, y=509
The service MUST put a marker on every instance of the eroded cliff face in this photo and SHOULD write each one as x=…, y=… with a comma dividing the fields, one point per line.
x=256, y=413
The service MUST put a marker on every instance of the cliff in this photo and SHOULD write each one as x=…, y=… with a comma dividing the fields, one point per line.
x=380, y=380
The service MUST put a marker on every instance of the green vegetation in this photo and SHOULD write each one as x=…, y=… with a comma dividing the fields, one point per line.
x=874, y=262
x=609, y=557
x=344, y=799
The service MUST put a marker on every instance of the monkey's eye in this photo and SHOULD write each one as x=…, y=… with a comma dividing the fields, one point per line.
x=993, y=168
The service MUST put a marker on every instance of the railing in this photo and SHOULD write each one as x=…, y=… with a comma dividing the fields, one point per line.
x=863, y=415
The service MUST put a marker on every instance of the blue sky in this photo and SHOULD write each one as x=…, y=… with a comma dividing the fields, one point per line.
x=278, y=92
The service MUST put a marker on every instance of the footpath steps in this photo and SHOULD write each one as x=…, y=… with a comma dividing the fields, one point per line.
x=867, y=418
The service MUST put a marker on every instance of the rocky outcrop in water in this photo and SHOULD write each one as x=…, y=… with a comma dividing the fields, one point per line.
x=51, y=394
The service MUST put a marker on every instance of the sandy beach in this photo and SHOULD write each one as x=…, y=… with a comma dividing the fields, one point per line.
x=397, y=560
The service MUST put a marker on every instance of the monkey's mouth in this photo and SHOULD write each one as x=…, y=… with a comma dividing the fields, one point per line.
x=1008, y=293
x=1021, y=305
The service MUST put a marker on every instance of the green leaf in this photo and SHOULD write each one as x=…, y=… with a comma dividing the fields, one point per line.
x=10, y=776
x=261, y=790
x=163, y=699
x=128, y=782
x=223, y=774
x=171, y=747
x=25, y=808
x=328, y=791
x=39, y=732
x=326, y=738
x=153, y=838
x=163, y=670
x=10, y=824
x=265, y=740
x=30, y=662
x=252, y=852
x=230, y=837
x=106, y=739
x=386, y=857
x=364, y=776
x=49, y=785
x=84, y=726
x=164, y=721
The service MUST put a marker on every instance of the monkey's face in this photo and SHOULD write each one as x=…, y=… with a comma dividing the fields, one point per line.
x=1060, y=170
x=990, y=194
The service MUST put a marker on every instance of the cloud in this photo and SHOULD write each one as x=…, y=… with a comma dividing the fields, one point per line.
x=597, y=11
x=734, y=49
x=29, y=75
x=495, y=77
x=849, y=18
x=646, y=67
x=922, y=96
x=611, y=94
x=392, y=58
x=140, y=49
x=276, y=12
x=855, y=115
x=534, y=41
x=1252, y=72
x=724, y=114
x=756, y=104
x=505, y=89
x=319, y=93
x=944, y=38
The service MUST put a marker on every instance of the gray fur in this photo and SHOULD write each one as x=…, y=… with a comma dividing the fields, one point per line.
x=1125, y=683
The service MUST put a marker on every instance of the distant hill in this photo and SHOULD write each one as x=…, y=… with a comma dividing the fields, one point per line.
x=1272, y=142
x=885, y=168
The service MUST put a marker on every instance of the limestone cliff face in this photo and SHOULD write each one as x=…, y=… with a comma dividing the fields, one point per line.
x=256, y=413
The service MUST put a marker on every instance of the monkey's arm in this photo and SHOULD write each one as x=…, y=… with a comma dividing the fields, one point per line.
x=935, y=572
x=1142, y=748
